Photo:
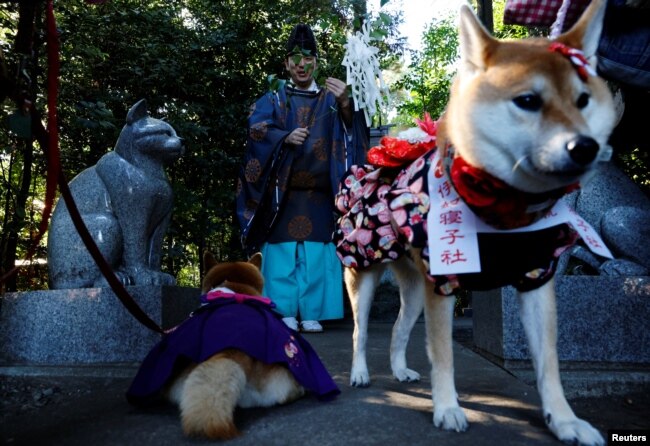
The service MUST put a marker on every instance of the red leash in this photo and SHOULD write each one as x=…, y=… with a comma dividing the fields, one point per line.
x=53, y=157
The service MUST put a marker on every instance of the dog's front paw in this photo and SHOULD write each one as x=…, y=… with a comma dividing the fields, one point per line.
x=359, y=378
x=576, y=431
x=450, y=419
x=406, y=375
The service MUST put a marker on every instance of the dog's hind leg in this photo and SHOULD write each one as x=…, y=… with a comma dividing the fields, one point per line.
x=411, y=293
x=539, y=318
x=209, y=396
x=439, y=313
x=361, y=285
x=270, y=384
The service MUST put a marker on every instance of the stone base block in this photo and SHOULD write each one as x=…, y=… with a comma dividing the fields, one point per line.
x=86, y=326
x=601, y=319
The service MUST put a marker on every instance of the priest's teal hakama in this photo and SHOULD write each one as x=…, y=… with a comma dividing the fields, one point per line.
x=285, y=197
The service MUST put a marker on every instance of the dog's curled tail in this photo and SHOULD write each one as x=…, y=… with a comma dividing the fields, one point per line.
x=209, y=397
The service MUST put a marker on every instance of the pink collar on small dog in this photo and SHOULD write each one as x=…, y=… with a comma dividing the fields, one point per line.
x=576, y=57
x=239, y=298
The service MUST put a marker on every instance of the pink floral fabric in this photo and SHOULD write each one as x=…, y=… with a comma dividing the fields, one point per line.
x=370, y=201
x=381, y=210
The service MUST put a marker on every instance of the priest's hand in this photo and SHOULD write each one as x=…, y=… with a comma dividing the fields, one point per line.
x=297, y=137
x=340, y=91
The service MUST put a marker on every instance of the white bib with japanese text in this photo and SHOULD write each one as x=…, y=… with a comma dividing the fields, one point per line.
x=452, y=227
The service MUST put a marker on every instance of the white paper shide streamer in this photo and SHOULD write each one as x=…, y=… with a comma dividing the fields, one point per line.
x=363, y=73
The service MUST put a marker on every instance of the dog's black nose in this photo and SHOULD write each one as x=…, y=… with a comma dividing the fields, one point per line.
x=582, y=149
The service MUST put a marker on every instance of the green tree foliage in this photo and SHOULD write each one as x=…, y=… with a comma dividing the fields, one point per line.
x=199, y=64
x=20, y=182
x=429, y=74
x=424, y=85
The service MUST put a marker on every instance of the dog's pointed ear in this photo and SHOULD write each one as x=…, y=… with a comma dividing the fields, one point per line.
x=474, y=41
x=585, y=34
x=208, y=260
x=256, y=260
x=137, y=112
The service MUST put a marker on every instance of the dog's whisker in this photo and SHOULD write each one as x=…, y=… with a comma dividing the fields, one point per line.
x=518, y=163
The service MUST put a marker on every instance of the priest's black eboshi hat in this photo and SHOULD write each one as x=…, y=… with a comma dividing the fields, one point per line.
x=303, y=38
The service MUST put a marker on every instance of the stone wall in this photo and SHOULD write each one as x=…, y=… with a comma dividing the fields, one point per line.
x=600, y=319
x=86, y=326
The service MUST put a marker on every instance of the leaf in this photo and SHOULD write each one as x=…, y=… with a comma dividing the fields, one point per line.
x=106, y=125
x=83, y=122
x=275, y=84
x=378, y=34
x=385, y=18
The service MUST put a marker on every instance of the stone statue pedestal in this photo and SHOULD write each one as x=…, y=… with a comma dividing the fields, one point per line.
x=603, y=328
x=85, y=327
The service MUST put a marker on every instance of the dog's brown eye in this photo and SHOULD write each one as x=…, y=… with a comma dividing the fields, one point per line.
x=583, y=100
x=529, y=102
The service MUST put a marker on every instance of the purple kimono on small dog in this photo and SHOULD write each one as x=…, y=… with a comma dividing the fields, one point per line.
x=231, y=321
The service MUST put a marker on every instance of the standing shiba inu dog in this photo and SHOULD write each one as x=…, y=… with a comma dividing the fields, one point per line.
x=527, y=121
x=232, y=352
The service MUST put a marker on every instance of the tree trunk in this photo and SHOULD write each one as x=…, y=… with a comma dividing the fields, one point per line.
x=15, y=220
x=485, y=14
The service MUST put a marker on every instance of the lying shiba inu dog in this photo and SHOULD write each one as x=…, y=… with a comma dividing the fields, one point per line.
x=527, y=121
x=232, y=352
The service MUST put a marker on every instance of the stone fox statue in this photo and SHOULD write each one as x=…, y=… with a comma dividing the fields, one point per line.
x=126, y=203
